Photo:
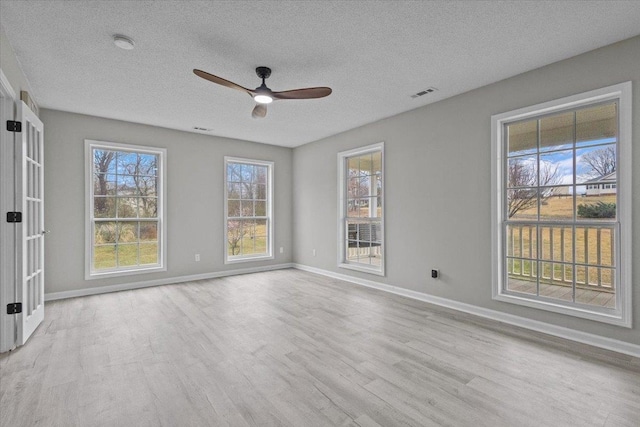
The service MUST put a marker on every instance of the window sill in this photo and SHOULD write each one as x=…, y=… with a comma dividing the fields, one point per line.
x=610, y=316
x=248, y=259
x=377, y=272
x=130, y=272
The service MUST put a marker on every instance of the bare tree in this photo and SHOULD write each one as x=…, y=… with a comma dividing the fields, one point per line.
x=523, y=176
x=102, y=161
x=235, y=234
x=144, y=172
x=600, y=162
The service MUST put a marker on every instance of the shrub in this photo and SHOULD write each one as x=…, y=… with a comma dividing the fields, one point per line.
x=598, y=210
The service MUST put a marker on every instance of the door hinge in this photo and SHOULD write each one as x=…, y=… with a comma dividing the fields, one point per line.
x=14, y=308
x=14, y=216
x=14, y=126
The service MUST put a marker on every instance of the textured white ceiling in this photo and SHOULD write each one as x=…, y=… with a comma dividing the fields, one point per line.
x=373, y=54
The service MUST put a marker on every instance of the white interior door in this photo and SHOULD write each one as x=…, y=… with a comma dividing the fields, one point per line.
x=30, y=194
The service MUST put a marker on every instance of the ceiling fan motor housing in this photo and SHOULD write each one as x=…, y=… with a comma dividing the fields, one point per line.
x=263, y=72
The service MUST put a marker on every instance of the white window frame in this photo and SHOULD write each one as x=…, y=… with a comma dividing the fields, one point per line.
x=622, y=314
x=269, y=217
x=342, y=210
x=162, y=208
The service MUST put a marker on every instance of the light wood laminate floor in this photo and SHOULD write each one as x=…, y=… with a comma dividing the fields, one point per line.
x=296, y=349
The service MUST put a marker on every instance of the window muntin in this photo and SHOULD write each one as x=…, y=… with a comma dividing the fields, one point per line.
x=125, y=226
x=361, y=209
x=248, y=209
x=561, y=206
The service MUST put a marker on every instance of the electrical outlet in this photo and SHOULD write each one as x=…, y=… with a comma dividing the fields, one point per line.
x=435, y=274
x=314, y=252
x=197, y=257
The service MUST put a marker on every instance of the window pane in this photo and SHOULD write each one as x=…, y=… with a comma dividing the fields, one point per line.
x=235, y=233
x=148, y=253
x=376, y=168
x=594, y=245
x=556, y=168
x=260, y=208
x=353, y=166
x=148, y=231
x=596, y=165
x=233, y=172
x=522, y=275
x=261, y=227
x=233, y=208
x=127, y=232
x=127, y=185
x=376, y=233
x=105, y=232
x=104, y=207
x=146, y=185
x=104, y=161
x=261, y=174
x=127, y=207
x=126, y=163
x=148, y=164
x=234, y=190
x=246, y=173
x=522, y=204
x=522, y=241
x=248, y=190
x=127, y=255
x=260, y=191
x=104, y=257
x=598, y=208
x=104, y=184
x=597, y=124
x=556, y=243
x=366, y=164
x=556, y=203
x=556, y=132
x=596, y=286
x=246, y=208
x=523, y=172
x=607, y=255
x=148, y=207
x=556, y=281
x=523, y=138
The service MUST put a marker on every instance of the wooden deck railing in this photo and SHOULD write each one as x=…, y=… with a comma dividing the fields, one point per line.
x=591, y=261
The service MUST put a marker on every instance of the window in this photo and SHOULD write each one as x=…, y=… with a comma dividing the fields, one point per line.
x=125, y=226
x=556, y=245
x=248, y=210
x=361, y=214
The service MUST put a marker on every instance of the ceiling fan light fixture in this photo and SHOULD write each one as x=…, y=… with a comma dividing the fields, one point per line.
x=263, y=99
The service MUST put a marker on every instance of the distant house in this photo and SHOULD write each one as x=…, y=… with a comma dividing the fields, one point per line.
x=605, y=184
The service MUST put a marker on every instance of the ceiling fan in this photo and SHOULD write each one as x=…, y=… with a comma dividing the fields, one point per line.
x=262, y=94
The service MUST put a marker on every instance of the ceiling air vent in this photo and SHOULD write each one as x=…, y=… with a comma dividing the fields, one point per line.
x=202, y=129
x=424, y=92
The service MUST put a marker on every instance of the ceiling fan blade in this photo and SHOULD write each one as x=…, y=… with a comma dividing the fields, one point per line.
x=221, y=81
x=307, y=93
x=259, y=111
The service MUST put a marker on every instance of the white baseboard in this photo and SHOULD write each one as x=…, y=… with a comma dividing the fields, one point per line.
x=534, y=325
x=166, y=281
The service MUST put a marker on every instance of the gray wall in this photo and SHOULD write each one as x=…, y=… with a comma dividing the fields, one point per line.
x=438, y=185
x=194, y=180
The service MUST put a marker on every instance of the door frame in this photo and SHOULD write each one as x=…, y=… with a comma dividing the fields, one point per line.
x=8, y=231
